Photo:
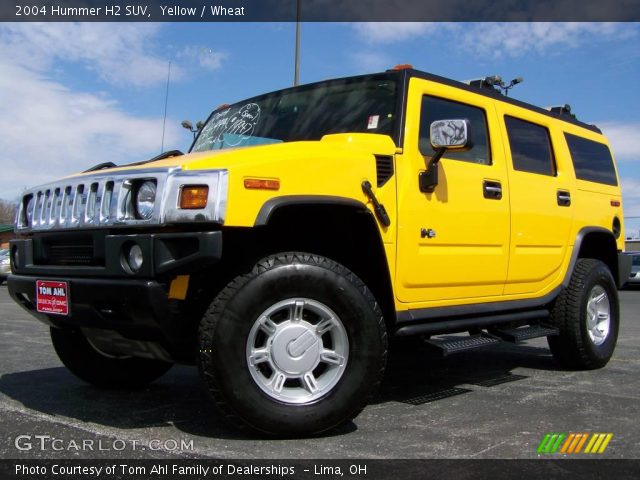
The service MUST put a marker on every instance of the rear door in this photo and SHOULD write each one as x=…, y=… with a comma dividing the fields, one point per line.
x=541, y=184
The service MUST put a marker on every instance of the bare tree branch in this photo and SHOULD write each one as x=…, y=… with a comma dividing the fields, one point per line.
x=7, y=211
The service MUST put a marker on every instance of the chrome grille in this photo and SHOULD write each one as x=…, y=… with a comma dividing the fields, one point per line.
x=106, y=199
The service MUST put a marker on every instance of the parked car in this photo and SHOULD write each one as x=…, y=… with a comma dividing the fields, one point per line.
x=634, y=277
x=5, y=265
x=307, y=226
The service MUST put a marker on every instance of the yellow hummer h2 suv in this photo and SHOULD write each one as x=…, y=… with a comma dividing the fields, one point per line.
x=307, y=226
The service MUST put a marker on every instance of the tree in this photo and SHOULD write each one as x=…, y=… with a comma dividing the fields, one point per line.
x=7, y=211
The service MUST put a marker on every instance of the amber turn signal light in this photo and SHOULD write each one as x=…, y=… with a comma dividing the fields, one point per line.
x=262, y=184
x=193, y=197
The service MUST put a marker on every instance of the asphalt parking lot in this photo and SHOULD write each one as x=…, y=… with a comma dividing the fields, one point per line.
x=493, y=403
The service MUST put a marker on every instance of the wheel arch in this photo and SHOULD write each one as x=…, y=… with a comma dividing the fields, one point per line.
x=339, y=228
x=597, y=243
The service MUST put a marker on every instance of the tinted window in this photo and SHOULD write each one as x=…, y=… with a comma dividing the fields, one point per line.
x=591, y=160
x=434, y=108
x=530, y=147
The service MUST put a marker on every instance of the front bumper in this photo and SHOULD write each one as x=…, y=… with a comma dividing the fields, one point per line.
x=164, y=254
x=136, y=306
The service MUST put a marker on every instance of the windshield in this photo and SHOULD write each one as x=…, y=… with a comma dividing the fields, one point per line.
x=360, y=105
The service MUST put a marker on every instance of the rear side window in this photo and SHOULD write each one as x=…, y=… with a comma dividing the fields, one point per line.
x=434, y=108
x=592, y=161
x=530, y=147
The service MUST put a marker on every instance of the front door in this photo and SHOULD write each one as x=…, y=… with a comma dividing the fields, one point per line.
x=453, y=244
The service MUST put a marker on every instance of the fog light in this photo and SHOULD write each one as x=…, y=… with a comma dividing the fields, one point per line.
x=135, y=259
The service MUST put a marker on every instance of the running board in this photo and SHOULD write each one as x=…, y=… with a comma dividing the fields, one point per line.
x=517, y=335
x=466, y=324
x=448, y=346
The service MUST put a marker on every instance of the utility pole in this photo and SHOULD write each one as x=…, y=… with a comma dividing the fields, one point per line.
x=296, y=72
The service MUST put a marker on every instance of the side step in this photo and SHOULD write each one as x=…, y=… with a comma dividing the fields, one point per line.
x=520, y=334
x=448, y=346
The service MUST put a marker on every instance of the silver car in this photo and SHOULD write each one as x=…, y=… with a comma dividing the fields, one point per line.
x=5, y=265
x=634, y=278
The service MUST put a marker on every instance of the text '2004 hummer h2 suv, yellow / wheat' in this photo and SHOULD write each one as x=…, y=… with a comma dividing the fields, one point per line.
x=308, y=225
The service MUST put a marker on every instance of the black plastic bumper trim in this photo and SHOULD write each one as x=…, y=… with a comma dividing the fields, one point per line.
x=164, y=254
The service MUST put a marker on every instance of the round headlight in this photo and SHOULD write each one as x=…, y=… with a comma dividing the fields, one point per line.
x=135, y=257
x=146, y=200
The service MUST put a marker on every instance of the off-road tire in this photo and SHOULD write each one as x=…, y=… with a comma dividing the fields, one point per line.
x=573, y=347
x=225, y=328
x=90, y=365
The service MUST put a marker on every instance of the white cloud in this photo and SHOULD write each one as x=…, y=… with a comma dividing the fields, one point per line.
x=497, y=39
x=205, y=57
x=631, y=202
x=118, y=53
x=49, y=131
x=623, y=138
x=371, y=61
x=519, y=39
x=391, y=32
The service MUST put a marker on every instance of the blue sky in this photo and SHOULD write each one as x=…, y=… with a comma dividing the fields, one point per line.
x=73, y=95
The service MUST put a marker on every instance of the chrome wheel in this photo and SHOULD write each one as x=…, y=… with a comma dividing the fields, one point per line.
x=598, y=315
x=297, y=350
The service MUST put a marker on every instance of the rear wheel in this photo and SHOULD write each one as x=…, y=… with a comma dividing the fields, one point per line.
x=587, y=315
x=100, y=369
x=295, y=347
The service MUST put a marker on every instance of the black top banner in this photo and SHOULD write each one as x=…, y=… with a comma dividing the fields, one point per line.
x=319, y=10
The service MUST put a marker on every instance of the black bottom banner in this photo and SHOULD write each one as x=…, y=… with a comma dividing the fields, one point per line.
x=319, y=469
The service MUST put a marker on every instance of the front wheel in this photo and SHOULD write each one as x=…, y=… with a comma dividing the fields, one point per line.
x=295, y=347
x=587, y=314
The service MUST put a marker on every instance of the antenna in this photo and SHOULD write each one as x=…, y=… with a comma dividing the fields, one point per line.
x=166, y=101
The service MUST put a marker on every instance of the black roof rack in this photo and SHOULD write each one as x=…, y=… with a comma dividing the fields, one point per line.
x=489, y=91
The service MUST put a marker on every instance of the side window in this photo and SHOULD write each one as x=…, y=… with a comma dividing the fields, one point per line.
x=592, y=161
x=530, y=147
x=434, y=108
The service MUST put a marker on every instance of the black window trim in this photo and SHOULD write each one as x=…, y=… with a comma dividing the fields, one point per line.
x=554, y=163
x=486, y=124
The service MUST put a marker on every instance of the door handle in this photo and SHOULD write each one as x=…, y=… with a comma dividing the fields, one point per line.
x=492, y=190
x=564, y=198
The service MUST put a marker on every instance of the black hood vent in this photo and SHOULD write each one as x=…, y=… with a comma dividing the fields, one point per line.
x=384, y=169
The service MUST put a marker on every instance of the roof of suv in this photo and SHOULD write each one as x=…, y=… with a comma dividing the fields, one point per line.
x=498, y=96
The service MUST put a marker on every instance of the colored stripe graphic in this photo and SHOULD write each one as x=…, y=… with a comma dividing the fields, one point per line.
x=598, y=442
x=551, y=442
x=574, y=442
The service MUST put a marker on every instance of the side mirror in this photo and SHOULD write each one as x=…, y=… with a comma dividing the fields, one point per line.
x=450, y=135
x=444, y=135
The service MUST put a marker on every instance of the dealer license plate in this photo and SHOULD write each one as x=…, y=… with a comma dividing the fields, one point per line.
x=52, y=297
